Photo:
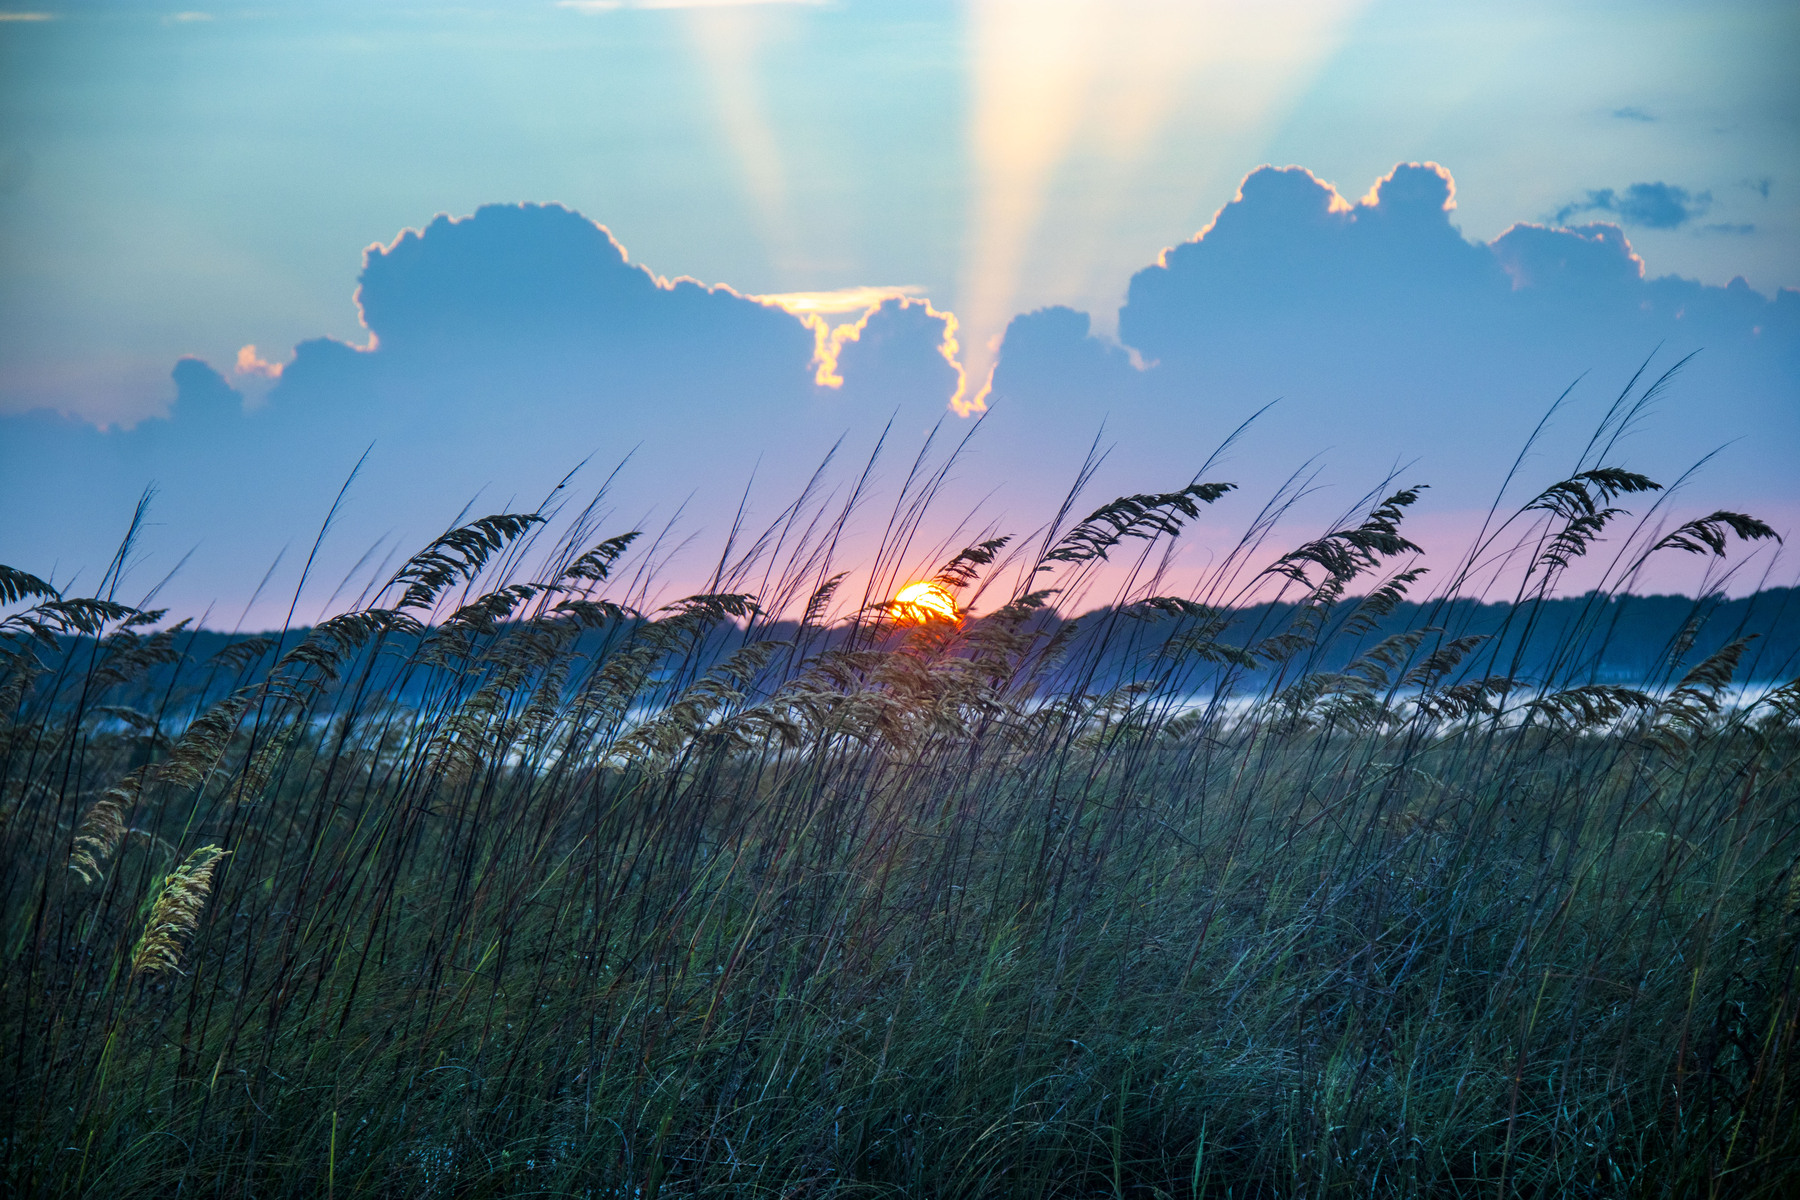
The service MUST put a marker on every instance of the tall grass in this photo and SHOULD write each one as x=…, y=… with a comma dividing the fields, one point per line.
x=497, y=885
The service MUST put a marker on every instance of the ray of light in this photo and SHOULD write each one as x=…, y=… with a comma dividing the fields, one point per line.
x=1072, y=81
x=728, y=40
x=1032, y=67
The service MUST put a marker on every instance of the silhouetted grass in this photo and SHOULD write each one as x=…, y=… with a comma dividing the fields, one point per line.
x=511, y=888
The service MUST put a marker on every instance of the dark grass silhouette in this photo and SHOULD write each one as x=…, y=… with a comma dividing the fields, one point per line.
x=498, y=884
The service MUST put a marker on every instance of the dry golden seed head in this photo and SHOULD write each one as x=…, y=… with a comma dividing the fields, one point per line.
x=103, y=828
x=203, y=744
x=176, y=914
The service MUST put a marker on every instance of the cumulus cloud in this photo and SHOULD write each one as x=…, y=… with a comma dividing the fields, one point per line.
x=1652, y=205
x=201, y=386
x=880, y=357
x=503, y=349
x=251, y=363
x=1386, y=339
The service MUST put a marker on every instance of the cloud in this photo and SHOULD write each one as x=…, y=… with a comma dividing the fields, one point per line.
x=27, y=16
x=1386, y=339
x=190, y=17
x=814, y=309
x=503, y=349
x=1652, y=205
x=198, y=384
x=250, y=363
x=882, y=365
x=1632, y=113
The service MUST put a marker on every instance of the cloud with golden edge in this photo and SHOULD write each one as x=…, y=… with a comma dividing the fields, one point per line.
x=813, y=309
x=250, y=363
x=1337, y=204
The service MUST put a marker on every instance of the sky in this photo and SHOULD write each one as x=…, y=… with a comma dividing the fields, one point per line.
x=241, y=246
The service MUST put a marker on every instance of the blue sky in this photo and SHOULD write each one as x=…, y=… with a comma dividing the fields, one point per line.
x=195, y=183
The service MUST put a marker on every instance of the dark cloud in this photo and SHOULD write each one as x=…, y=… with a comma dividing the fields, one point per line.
x=1632, y=113
x=1652, y=205
x=1385, y=337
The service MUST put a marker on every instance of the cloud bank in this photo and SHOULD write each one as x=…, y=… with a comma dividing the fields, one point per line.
x=1388, y=340
x=503, y=349
x=506, y=347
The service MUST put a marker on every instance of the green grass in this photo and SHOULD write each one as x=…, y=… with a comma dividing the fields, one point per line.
x=541, y=897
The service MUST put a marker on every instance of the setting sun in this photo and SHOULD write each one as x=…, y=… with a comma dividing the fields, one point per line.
x=923, y=601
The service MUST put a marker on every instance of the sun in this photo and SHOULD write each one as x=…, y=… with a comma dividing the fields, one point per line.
x=926, y=600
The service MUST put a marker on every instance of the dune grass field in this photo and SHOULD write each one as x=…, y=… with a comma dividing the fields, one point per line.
x=506, y=880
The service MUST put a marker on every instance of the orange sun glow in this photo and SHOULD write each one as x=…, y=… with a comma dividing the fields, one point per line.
x=926, y=600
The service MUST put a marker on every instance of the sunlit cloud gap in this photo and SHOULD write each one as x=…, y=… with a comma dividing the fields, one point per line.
x=842, y=300
x=813, y=309
x=1062, y=80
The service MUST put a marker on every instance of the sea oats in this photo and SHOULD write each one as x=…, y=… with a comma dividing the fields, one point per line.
x=103, y=828
x=176, y=914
